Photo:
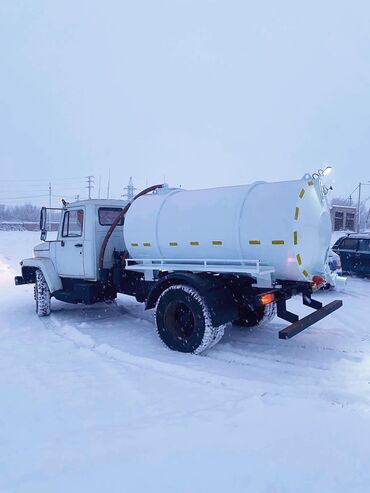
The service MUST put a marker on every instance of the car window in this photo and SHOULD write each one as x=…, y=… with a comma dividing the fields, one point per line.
x=349, y=244
x=73, y=223
x=108, y=214
x=364, y=245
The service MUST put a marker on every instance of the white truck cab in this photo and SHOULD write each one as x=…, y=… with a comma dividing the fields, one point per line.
x=82, y=229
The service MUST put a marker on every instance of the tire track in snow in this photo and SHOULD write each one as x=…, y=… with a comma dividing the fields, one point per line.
x=169, y=370
x=271, y=375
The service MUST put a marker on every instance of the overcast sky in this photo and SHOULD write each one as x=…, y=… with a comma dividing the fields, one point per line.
x=205, y=93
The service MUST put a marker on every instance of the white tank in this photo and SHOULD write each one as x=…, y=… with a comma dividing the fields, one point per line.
x=285, y=225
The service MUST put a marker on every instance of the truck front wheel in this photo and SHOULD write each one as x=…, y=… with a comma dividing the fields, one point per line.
x=184, y=322
x=42, y=295
x=256, y=316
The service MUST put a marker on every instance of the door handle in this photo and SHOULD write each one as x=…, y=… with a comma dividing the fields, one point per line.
x=79, y=245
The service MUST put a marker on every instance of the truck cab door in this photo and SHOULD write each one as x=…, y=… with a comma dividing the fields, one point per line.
x=70, y=247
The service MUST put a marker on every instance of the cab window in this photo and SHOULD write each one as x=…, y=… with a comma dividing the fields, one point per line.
x=349, y=244
x=108, y=214
x=73, y=223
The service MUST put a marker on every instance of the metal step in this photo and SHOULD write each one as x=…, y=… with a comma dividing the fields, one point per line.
x=302, y=324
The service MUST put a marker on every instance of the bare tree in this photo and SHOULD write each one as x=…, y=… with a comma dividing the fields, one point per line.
x=24, y=213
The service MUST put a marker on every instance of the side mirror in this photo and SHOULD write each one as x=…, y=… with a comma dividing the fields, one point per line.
x=43, y=218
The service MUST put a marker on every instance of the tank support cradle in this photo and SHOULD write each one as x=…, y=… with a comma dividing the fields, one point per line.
x=298, y=325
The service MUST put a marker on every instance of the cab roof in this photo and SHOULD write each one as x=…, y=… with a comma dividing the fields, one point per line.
x=98, y=202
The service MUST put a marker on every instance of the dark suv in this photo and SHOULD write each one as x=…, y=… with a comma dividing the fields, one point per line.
x=354, y=252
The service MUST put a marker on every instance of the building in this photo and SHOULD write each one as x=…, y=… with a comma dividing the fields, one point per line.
x=343, y=217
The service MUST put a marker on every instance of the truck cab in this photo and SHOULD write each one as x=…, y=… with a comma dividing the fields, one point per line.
x=68, y=257
x=82, y=228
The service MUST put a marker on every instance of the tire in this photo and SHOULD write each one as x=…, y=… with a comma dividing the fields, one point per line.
x=258, y=316
x=42, y=295
x=183, y=321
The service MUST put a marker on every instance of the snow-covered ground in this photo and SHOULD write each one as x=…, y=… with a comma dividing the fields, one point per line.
x=91, y=401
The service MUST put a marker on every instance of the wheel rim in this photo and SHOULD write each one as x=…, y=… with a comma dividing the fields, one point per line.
x=179, y=320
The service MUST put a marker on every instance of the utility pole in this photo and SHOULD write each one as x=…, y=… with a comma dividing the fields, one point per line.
x=108, y=185
x=49, y=206
x=358, y=207
x=90, y=184
x=99, y=186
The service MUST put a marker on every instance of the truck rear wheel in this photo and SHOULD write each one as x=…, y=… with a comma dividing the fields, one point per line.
x=184, y=322
x=258, y=316
x=42, y=295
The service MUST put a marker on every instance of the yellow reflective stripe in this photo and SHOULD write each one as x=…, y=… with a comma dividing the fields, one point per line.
x=296, y=237
x=254, y=242
x=216, y=242
x=299, y=260
x=146, y=244
x=173, y=243
x=305, y=273
x=301, y=193
x=194, y=243
x=278, y=242
x=310, y=183
x=134, y=244
x=296, y=213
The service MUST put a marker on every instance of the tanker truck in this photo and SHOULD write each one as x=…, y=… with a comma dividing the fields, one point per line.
x=200, y=258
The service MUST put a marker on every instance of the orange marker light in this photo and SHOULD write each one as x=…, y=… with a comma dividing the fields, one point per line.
x=267, y=298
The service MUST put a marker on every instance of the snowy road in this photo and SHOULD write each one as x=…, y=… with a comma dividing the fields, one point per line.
x=91, y=401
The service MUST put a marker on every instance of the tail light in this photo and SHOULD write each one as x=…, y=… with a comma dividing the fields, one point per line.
x=268, y=298
x=318, y=281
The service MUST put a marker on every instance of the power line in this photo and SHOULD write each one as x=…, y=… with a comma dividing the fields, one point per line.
x=64, y=196
x=41, y=179
x=27, y=197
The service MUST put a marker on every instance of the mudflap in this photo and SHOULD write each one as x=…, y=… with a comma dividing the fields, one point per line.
x=299, y=325
x=19, y=280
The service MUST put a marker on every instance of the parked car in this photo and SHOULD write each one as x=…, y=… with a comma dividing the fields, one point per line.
x=338, y=281
x=354, y=252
